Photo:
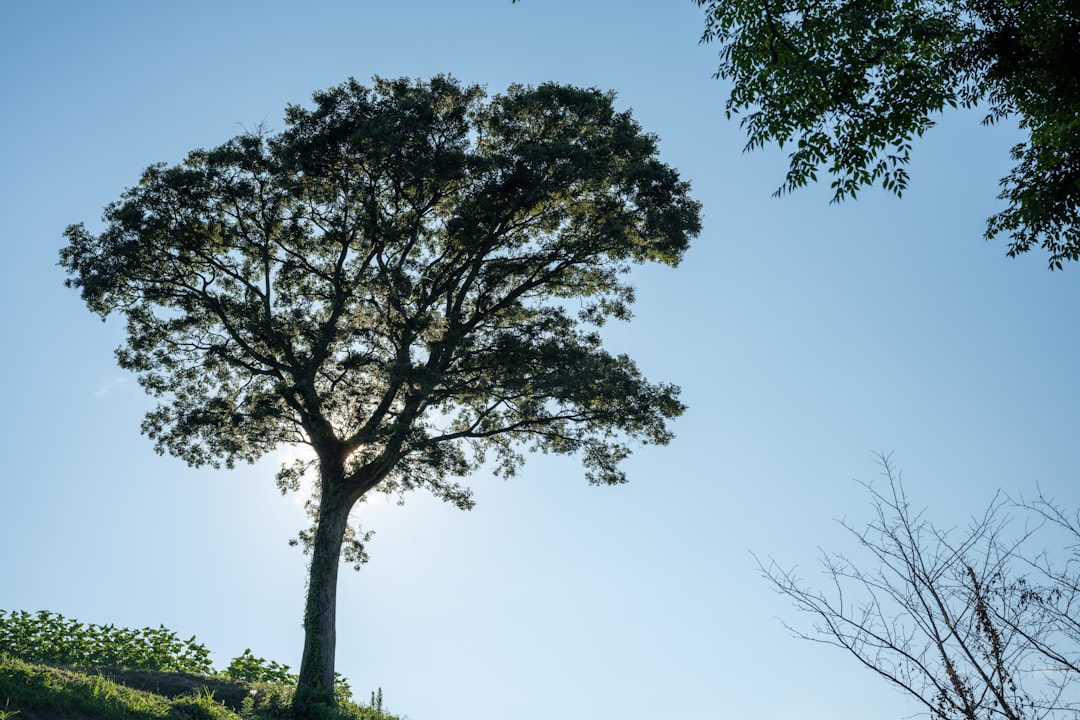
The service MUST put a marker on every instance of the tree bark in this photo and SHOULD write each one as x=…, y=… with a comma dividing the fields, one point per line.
x=316, y=682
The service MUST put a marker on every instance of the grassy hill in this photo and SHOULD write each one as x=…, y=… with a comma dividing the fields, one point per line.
x=52, y=668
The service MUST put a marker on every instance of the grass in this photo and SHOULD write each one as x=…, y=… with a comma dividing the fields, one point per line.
x=163, y=679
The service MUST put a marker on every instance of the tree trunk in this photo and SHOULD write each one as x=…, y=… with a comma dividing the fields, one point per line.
x=316, y=683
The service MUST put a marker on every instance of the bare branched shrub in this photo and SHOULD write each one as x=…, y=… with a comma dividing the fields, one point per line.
x=971, y=622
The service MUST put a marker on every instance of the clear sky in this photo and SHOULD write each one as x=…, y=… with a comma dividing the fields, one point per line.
x=805, y=336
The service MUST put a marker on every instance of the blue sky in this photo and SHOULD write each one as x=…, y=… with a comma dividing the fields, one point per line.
x=805, y=336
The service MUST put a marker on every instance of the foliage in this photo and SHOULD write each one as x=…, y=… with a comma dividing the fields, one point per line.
x=248, y=668
x=392, y=273
x=49, y=692
x=251, y=669
x=50, y=638
x=62, y=691
x=392, y=281
x=46, y=637
x=86, y=688
x=851, y=83
x=966, y=622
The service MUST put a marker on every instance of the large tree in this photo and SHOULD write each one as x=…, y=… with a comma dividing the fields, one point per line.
x=849, y=84
x=407, y=279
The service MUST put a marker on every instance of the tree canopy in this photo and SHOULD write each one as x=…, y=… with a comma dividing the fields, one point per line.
x=408, y=279
x=850, y=84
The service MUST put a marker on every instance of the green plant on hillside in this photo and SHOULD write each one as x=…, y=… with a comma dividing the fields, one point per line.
x=65, y=693
x=48, y=637
x=248, y=668
x=48, y=693
x=376, y=701
x=135, y=678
